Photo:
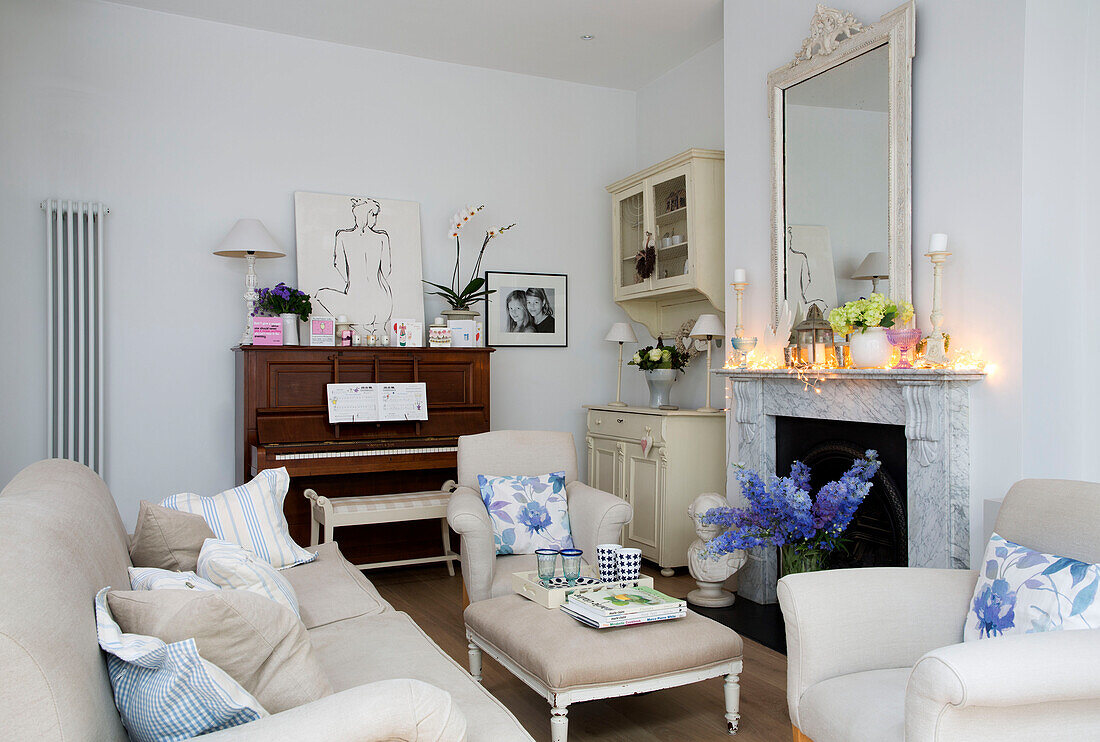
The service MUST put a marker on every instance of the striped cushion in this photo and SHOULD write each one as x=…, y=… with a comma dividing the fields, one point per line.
x=227, y=565
x=167, y=692
x=153, y=578
x=250, y=515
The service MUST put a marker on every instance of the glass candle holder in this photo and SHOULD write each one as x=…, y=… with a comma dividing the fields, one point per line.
x=571, y=565
x=548, y=562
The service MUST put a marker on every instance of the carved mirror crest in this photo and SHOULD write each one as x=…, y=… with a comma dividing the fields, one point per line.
x=841, y=115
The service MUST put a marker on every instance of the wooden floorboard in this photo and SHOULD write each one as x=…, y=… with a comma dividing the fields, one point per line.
x=691, y=712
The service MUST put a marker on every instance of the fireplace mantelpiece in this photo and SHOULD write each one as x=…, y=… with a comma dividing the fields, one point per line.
x=932, y=404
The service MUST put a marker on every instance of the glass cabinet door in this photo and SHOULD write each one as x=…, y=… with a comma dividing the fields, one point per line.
x=630, y=231
x=670, y=209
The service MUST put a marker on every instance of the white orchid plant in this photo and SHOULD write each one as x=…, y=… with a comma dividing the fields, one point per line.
x=475, y=289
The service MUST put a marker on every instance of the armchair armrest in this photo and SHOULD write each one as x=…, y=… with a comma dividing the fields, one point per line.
x=595, y=517
x=467, y=515
x=405, y=710
x=850, y=620
x=1036, y=670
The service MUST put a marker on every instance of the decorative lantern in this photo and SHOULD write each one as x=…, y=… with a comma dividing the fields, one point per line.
x=813, y=340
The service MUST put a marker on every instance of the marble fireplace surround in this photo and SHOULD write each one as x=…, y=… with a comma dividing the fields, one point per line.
x=932, y=404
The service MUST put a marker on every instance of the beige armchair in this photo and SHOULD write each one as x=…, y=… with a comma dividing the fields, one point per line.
x=878, y=654
x=595, y=516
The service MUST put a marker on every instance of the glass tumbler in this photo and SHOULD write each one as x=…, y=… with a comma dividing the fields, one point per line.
x=548, y=560
x=571, y=565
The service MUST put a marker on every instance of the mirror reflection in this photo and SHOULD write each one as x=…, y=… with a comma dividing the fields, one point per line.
x=836, y=183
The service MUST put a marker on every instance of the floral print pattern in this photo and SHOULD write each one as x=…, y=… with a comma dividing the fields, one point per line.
x=1023, y=591
x=527, y=513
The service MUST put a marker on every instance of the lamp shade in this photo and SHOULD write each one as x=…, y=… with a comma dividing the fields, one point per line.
x=249, y=237
x=621, y=332
x=875, y=265
x=708, y=326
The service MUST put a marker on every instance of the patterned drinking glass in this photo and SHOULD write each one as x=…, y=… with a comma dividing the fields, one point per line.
x=548, y=561
x=571, y=565
x=904, y=340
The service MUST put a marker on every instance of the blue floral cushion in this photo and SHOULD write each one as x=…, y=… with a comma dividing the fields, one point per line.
x=528, y=513
x=1023, y=591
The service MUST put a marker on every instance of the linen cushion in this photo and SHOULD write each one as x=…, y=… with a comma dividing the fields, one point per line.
x=167, y=691
x=228, y=565
x=151, y=578
x=330, y=589
x=860, y=705
x=527, y=513
x=260, y=645
x=250, y=515
x=1024, y=591
x=167, y=539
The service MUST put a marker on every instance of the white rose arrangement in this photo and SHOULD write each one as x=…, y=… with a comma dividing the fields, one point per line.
x=651, y=357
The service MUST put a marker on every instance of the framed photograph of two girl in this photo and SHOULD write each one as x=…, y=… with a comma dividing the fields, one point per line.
x=526, y=310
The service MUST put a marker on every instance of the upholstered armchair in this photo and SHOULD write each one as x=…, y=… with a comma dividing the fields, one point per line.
x=878, y=654
x=595, y=516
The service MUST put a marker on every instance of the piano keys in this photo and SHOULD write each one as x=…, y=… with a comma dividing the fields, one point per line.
x=282, y=420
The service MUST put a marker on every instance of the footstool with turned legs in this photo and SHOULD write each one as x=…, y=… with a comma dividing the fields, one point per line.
x=568, y=662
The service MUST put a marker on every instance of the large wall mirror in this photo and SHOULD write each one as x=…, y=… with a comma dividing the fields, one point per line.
x=841, y=123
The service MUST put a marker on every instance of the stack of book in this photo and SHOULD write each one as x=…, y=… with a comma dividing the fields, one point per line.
x=622, y=606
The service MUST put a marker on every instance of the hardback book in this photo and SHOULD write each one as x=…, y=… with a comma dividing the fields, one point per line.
x=625, y=601
x=607, y=623
x=599, y=615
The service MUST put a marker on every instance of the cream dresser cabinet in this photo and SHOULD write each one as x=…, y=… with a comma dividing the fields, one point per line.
x=659, y=479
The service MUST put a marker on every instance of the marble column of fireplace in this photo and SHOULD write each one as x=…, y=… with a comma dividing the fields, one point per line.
x=932, y=404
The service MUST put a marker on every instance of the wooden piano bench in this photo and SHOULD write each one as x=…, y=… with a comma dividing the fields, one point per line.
x=357, y=511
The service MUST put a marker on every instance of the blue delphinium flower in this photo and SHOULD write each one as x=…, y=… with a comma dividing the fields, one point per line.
x=995, y=608
x=534, y=516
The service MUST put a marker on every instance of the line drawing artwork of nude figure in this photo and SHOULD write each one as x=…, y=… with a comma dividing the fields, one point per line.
x=361, y=256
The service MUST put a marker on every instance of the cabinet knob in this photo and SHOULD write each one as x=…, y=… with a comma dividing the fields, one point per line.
x=598, y=421
x=619, y=420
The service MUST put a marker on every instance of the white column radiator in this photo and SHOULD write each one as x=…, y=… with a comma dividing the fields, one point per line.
x=74, y=311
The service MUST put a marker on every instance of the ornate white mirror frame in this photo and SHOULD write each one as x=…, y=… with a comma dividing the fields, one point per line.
x=837, y=37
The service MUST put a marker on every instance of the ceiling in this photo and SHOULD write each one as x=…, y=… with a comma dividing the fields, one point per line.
x=635, y=41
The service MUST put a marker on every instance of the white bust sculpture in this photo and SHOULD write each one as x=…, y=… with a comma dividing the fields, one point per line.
x=710, y=572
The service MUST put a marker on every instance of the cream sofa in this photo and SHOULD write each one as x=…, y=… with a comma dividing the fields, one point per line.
x=878, y=654
x=63, y=540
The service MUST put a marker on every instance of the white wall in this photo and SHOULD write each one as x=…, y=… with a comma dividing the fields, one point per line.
x=679, y=110
x=183, y=126
x=967, y=139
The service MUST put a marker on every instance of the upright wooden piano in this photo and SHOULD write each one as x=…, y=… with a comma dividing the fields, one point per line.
x=282, y=420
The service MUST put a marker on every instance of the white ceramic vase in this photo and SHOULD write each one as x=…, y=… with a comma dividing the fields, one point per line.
x=290, y=328
x=660, y=385
x=870, y=348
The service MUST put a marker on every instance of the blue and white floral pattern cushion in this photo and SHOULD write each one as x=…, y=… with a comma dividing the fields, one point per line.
x=527, y=513
x=1023, y=591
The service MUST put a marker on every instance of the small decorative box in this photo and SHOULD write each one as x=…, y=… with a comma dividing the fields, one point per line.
x=267, y=331
x=529, y=586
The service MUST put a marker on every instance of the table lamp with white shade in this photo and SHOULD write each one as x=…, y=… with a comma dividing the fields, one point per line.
x=249, y=239
x=708, y=327
x=620, y=332
x=875, y=267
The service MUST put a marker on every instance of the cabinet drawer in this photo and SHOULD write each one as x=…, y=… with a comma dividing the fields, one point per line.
x=627, y=425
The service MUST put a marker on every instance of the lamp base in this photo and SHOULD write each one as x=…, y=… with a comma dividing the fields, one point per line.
x=709, y=409
x=616, y=404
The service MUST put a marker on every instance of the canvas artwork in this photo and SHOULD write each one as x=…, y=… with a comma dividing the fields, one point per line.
x=526, y=309
x=360, y=257
x=810, y=273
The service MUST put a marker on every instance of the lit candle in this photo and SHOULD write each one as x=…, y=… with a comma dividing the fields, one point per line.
x=938, y=243
x=739, y=274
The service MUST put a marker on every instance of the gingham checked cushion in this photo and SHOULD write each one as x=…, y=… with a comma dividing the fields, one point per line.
x=250, y=515
x=153, y=578
x=228, y=565
x=167, y=692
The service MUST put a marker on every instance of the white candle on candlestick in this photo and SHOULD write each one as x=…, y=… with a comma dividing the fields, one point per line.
x=937, y=243
x=739, y=275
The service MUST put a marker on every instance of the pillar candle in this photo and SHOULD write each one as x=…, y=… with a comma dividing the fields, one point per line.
x=739, y=275
x=938, y=243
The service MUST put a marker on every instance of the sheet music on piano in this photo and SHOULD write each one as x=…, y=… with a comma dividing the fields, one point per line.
x=354, y=403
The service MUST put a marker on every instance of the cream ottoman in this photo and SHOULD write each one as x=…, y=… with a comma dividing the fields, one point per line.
x=568, y=662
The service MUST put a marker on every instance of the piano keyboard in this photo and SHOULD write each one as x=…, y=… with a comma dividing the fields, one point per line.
x=368, y=452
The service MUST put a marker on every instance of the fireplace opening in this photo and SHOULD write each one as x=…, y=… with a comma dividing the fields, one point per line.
x=877, y=535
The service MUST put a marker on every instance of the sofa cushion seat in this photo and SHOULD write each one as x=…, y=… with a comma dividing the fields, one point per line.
x=390, y=645
x=863, y=705
x=331, y=589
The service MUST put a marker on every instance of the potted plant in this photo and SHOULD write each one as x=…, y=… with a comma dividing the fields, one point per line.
x=290, y=305
x=461, y=300
x=865, y=320
x=660, y=365
x=782, y=513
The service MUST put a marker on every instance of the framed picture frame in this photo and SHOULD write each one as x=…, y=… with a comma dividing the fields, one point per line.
x=527, y=310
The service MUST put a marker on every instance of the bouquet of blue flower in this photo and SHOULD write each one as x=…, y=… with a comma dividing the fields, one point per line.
x=782, y=513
